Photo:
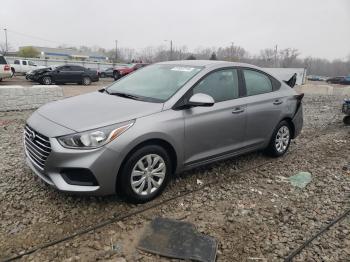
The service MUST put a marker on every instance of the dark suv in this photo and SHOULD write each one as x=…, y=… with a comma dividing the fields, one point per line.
x=69, y=74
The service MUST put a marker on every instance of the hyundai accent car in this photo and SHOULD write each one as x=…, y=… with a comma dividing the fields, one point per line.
x=131, y=137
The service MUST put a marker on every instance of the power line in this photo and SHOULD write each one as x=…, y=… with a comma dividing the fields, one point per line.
x=34, y=37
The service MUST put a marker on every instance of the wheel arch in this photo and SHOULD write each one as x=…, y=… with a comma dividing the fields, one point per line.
x=152, y=141
x=291, y=124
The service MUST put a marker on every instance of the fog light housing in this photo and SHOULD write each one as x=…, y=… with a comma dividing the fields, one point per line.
x=79, y=177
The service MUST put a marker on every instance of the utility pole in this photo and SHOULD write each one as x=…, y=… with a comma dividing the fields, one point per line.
x=171, y=49
x=231, y=51
x=6, y=40
x=116, y=51
x=275, y=56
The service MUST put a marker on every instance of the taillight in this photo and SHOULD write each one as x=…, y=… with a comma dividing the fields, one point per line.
x=7, y=68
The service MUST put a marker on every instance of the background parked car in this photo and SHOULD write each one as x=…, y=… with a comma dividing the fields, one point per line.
x=119, y=72
x=345, y=81
x=315, y=78
x=20, y=66
x=5, y=69
x=68, y=74
x=108, y=72
x=34, y=75
x=336, y=80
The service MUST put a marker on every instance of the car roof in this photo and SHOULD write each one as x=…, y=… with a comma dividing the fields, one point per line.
x=208, y=63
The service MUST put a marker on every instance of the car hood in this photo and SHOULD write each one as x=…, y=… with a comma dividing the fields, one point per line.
x=93, y=110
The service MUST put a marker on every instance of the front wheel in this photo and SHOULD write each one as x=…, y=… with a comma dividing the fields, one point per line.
x=280, y=140
x=145, y=174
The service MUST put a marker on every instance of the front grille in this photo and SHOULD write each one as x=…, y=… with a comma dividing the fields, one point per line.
x=37, y=146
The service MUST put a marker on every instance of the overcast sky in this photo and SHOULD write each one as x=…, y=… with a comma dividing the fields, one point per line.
x=317, y=28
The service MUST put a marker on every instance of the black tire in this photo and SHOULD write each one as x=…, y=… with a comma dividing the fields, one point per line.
x=346, y=120
x=116, y=75
x=0, y=79
x=275, y=150
x=124, y=187
x=46, y=80
x=86, y=81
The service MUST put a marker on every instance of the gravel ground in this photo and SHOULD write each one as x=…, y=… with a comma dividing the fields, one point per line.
x=255, y=215
x=68, y=89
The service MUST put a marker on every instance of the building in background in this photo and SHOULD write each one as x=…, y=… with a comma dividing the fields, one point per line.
x=67, y=54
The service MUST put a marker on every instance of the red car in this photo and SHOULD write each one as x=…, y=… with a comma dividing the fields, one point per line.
x=121, y=71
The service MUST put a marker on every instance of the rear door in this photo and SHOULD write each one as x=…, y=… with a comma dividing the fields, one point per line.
x=76, y=74
x=217, y=130
x=61, y=74
x=264, y=106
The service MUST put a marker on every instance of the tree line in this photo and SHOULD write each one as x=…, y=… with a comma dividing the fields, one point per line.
x=287, y=57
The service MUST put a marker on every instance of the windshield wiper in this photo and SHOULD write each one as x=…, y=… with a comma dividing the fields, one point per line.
x=125, y=95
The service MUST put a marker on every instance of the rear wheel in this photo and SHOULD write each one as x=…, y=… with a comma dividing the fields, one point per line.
x=86, y=81
x=145, y=174
x=46, y=80
x=116, y=75
x=346, y=120
x=280, y=140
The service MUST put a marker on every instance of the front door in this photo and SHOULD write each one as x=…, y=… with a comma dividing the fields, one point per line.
x=218, y=130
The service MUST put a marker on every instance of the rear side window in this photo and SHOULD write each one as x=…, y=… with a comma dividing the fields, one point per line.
x=256, y=83
x=77, y=68
x=221, y=85
x=2, y=60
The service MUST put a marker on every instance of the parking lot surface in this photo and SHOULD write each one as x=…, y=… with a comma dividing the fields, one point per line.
x=251, y=209
x=68, y=89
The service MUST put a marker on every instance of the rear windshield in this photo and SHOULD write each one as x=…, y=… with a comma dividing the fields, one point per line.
x=2, y=60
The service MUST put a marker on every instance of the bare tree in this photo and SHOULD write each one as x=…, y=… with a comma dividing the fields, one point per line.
x=288, y=56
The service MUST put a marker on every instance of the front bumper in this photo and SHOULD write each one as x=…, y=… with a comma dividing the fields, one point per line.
x=103, y=163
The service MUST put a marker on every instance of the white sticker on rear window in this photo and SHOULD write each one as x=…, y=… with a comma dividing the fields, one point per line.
x=182, y=69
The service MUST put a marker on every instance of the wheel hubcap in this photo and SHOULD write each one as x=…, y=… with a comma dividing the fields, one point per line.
x=282, y=139
x=148, y=174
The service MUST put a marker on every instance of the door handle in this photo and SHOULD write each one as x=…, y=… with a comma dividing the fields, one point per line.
x=238, y=110
x=277, y=102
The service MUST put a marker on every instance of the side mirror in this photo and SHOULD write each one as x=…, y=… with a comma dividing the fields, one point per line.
x=201, y=99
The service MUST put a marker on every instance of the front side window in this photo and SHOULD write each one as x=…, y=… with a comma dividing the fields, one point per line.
x=24, y=62
x=256, y=83
x=16, y=62
x=31, y=63
x=65, y=68
x=221, y=85
x=156, y=82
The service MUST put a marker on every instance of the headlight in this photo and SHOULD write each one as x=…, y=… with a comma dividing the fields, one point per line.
x=94, y=138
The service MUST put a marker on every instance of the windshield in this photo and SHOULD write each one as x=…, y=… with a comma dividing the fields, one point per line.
x=156, y=82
